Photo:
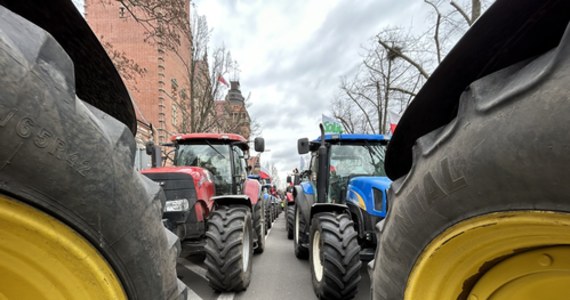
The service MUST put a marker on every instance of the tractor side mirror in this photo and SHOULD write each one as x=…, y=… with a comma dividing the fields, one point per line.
x=303, y=146
x=149, y=147
x=154, y=152
x=259, y=144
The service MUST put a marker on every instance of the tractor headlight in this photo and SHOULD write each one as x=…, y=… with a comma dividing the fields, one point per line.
x=177, y=205
x=378, y=195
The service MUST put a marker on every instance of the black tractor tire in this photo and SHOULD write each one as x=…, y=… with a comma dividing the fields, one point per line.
x=335, y=252
x=507, y=150
x=229, y=248
x=259, y=225
x=301, y=252
x=274, y=211
x=269, y=218
x=290, y=221
x=74, y=162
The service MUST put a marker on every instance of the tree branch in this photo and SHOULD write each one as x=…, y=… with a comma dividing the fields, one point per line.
x=462, y=12
x=404, y=57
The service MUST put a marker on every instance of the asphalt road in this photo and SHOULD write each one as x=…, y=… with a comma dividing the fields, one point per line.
x=277, y=273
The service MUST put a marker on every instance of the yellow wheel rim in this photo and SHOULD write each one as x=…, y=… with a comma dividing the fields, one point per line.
x=42, y=258
x=506, y=255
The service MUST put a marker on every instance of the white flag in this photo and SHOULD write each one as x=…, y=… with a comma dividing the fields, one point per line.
x=331, y=125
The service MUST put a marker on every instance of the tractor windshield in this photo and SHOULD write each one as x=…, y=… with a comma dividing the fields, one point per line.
x=353, y=160
x=214, y=158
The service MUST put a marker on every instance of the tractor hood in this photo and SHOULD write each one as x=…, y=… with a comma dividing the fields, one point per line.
x=369, y=193
x=196, y=172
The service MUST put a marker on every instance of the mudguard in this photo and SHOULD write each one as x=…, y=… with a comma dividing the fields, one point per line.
x=328, y=207
x=97, y=82
x=252, y=189
x=304, y=202
x=232, y=200
x=531, y=29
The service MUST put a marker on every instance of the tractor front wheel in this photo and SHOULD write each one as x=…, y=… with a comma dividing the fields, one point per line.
x=334, y=258
x=229, y=246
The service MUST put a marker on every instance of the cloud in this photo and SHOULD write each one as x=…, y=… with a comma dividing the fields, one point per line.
x=291, y=56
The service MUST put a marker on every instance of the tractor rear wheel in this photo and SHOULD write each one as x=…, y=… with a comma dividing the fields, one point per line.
x=301, y=251
x=80, y=221
x=259, y=224
x=484, y=210
x=334, y=256
x=229, y=248
x=290, y=221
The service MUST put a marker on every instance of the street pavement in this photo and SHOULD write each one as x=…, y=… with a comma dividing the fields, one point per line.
x=277, y=273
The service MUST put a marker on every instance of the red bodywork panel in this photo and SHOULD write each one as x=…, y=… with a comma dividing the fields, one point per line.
x=203, y=184
x=252, y=190
x=290, y=197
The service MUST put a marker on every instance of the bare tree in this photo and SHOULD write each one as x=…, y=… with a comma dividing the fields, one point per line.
x=398, y=63
x=126, y=66
x=384, y=81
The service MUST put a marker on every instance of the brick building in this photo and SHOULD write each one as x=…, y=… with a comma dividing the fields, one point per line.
x=160, y=91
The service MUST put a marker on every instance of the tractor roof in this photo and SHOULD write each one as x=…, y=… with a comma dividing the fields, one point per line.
x=212, y=137
x=352, y=137
x=349, y=139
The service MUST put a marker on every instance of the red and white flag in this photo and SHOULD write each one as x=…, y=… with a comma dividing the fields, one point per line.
x=393, y=119
x=223, y=81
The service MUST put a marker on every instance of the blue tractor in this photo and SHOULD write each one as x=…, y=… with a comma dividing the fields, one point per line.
x=338, y=203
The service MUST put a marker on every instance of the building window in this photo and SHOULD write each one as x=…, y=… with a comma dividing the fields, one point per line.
x=174, y=115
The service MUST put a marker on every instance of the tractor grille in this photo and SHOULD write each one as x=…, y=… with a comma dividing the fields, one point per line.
x=175, y=185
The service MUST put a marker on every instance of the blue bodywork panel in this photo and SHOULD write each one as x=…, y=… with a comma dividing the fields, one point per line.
x=308, y=187
x=369, y=193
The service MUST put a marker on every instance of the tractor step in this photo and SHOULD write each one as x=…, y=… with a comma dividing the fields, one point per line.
x=367, y=254
x=190, y=248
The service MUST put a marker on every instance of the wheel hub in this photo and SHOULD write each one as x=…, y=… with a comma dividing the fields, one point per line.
x=245, y=250
x=507, y=255
x=42, y=258
x=316, y=255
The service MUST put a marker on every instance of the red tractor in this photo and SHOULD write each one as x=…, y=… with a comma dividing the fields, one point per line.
x=292, y=180
x=212, y=205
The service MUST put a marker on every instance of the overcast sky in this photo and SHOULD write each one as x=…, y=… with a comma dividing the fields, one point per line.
x=292, y=54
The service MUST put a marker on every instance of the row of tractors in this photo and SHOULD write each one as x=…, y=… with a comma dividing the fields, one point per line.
x=478, y=207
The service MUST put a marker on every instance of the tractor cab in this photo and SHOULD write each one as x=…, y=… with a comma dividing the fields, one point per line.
x=222, y=156
x=352, y=170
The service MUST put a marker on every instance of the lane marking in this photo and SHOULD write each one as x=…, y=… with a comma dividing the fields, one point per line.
x=226, y=296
